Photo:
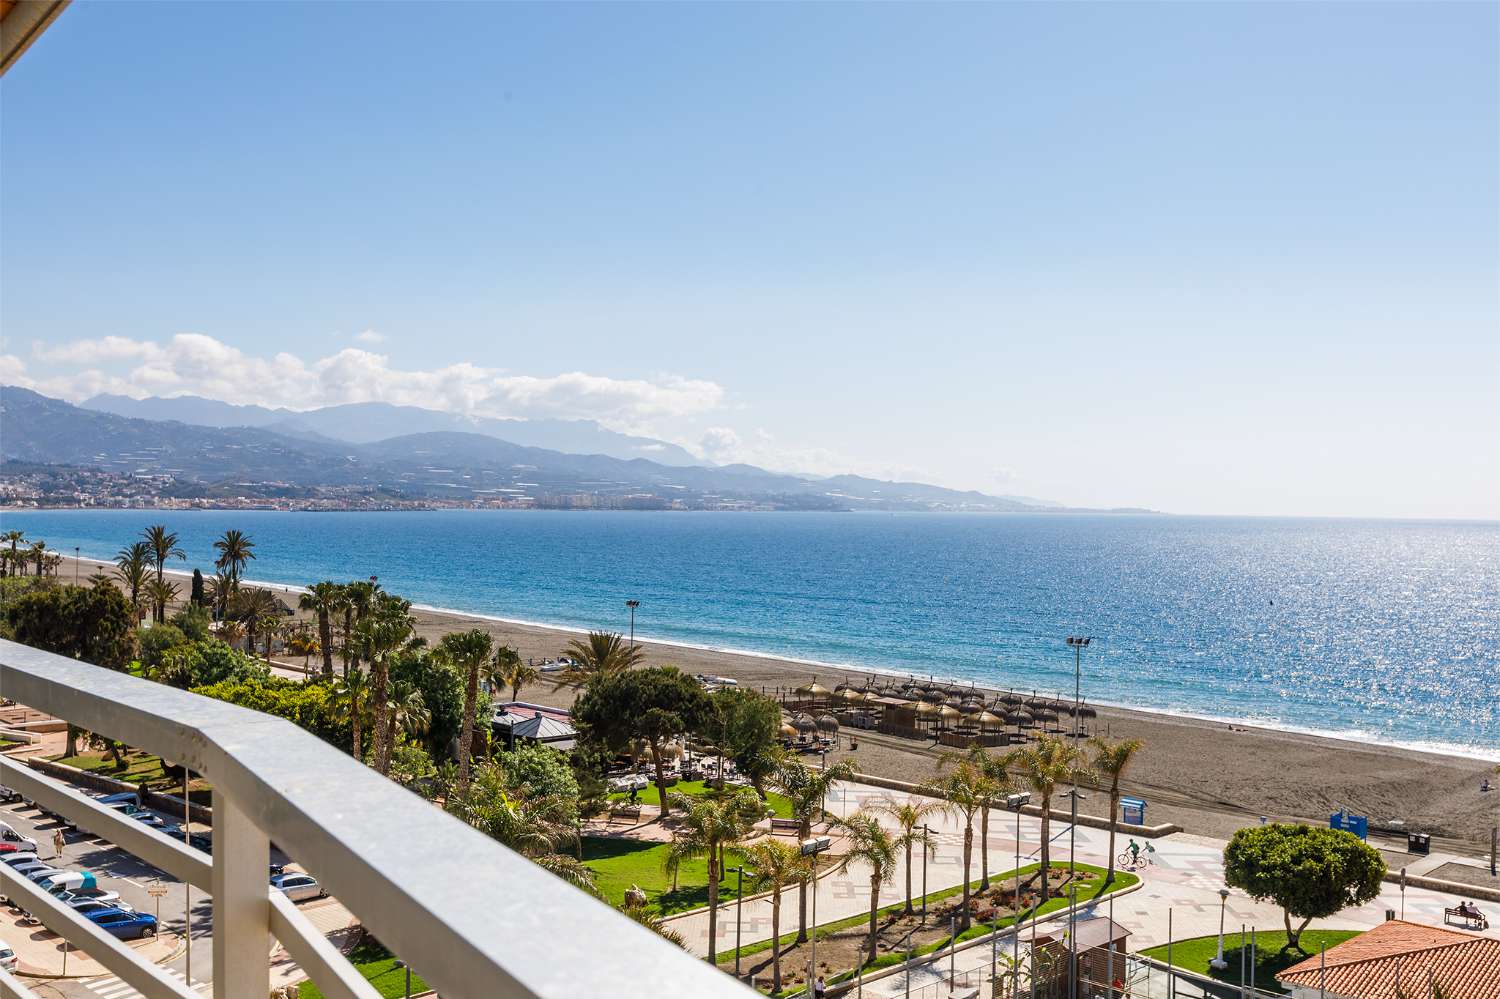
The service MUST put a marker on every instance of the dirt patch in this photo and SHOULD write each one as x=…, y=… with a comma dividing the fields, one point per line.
x=1465, y=874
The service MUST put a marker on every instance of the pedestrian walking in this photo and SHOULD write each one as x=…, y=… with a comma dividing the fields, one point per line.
x=819, y=989
x=58, y=841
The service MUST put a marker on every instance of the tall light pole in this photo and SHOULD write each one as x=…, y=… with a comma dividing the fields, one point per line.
x=1218, y=963
x=811, y=848
x=739, y=902
x=1078, y=644
x=926, y=834
x=632, y=604
x=76, y=550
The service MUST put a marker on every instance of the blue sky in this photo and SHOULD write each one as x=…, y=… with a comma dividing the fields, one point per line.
x=1210, y=258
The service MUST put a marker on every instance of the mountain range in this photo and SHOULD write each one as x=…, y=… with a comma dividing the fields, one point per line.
x=231, y=448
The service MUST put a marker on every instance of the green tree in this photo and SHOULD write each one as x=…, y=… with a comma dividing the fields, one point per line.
x=993, y=771
x=160, y=593
x=324, y=600
x=910, y=816
x=653, y=705
x=966, y=791
x=537, y=826
x=311, y=706
x=193, y=621
x=1043, y=767
x=235, y=549
x=442, y=695
x=514, y=673
x=153, y=643
x=1310, y=872
x=1110, y=761
x=385, y=630
x=352, y=700
x=133, y=566
x=710, y=825
x=777, y=866
x=746, y=727
x=541, y=770
x=14, y=538
x=600, y=654
x=466, y=651
x=163, y=545
x=870, y=843
x=195, y=595
x=807, y=790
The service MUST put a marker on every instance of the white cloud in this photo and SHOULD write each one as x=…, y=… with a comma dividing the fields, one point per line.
x=195, y=364
x=370, y=336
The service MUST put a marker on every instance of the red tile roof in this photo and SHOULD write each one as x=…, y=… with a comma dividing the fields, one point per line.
x=1399, y=959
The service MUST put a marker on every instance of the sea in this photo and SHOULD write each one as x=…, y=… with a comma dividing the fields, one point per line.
x=1377, y=631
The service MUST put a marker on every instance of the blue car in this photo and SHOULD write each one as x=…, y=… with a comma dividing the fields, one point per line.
x=125, y=925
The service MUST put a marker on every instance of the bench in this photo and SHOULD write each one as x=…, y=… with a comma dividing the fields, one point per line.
x=785, y=826
x=1471, y=920
x=625, y=812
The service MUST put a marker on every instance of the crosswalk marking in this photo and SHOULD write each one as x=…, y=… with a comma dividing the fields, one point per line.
x=111, y=987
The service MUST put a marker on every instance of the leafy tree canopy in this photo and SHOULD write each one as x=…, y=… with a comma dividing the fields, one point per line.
x=746, y=725
x=155, y=641
x=655, y=704
x=1311, y=872
x=91, y=623
x=310, y=705
x=442, y=690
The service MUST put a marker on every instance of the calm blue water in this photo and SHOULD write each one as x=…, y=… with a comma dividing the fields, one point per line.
x=1385, y=630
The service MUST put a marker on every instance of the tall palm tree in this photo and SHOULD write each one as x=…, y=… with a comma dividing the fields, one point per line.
x=384, y=631
x=777, y=865
x=15, y=538
x=910, y=816
x=468, y=651
x=537, y=826
x=966, y=791
x=600, y=654
x=39, y=556
x=220, y=592
x=1043, y=767
x=870, y=843
x=323, y=600
x=709, y=824
x=808, y=789
x=133, y=565
x=1111, y=760
x=992, y=770
x=160, y=592
x=235, y=549
x=163, y=546
x=351, y=695
x=360, y=598
x=407, y=711
x=642, y=914
x=260, y=612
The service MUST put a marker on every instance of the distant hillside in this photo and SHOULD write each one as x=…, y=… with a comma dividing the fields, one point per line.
x=447, y=465
x=368, y=422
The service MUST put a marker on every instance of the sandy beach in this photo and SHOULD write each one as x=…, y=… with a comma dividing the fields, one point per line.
x=1206, y=776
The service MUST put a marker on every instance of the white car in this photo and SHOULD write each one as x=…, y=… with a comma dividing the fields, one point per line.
x=9, y=835
x=297, y=887
x=8, y=958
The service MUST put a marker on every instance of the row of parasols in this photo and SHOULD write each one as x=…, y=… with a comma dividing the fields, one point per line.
x=945, y=704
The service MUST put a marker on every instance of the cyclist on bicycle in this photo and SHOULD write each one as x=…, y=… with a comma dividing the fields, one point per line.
x=1135, y=852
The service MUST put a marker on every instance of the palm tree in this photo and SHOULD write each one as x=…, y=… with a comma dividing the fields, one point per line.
x=231, y=632
x=359, y=600
x=39, y=556
x=870, y=843
x=910, y=816
x=642, y=914
x=160, y=592
x=15, y=538
x=260, y=612
x=777, y=865
x=384, y=630
x=235, y=549
x=601, y=654
x=967, y=792
x=537, y=826
x=1043, y=766
x=408, y=712
x=992, y=769
x=351, y=695
x=323, y=599
x=1111, y=760
x=709, y=825
x=808, y=789
x=220, y=591
x=468, y=651
x=133, y=565
x=163, y=545
x=518, y=675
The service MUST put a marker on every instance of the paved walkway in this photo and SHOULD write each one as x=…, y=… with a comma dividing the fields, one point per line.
x=1184, y=882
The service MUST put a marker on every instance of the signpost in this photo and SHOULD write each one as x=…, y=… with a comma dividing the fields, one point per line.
x=158, y=892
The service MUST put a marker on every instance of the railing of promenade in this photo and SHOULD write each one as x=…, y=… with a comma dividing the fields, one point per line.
x=474, y=918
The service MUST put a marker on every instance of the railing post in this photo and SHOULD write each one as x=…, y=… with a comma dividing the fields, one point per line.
x=242, y=912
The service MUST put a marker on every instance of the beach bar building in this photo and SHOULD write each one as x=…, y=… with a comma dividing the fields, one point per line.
x=1400, y=960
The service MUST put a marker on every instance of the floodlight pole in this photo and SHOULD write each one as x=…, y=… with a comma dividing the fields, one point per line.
x=926, y=834
x=632, y=604
x=1218, y=963
x=1078, y=643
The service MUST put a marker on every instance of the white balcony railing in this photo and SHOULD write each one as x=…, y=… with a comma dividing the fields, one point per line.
x=474, y=918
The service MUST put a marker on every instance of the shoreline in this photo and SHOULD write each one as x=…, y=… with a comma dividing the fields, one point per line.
x=1210, y=776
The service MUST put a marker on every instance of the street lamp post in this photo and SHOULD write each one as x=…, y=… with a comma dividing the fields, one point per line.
x=1218, y=963
x=1078, y=644
x=403, y=964
x=76, y=550
x=632, y=604
x=926, y=834
x=739, y=902
x=811, y=848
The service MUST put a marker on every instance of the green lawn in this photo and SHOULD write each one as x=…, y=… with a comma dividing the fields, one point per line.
x=138, y=766
x=379, y=968
x=619, y=863
x=1088, y=887
x=696, y=788
x=1195, y=953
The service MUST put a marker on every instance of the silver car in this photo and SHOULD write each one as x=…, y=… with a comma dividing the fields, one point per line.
x=298, y=887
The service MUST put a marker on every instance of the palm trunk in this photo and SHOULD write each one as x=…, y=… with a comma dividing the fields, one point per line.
x=984, y=849
x=713, y=898
x=874, y=905
x=908, y=878
x=1114, y=809
x=466, y=737
x=661, y=792
x=968, y=861
x=380, y=691
x=804, y=831
x=348, y=634
x=1046, y=846
x=354, y=710
x=325, y=639
x=776, y=941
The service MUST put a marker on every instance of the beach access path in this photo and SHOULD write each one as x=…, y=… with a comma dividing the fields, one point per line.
x=1185, y=880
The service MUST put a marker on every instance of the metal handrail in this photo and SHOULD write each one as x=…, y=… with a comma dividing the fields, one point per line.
x=473, y=917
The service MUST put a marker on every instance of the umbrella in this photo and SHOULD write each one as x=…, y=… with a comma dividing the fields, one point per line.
x=828, y=723
x=1087, y=712
x=804, y=723
x=789, y=730
x=987, y=720
x=852, y=696
x=949, y=711
x=926, y=708
x=1013, y=699
x=971, y=707
x=814, y=689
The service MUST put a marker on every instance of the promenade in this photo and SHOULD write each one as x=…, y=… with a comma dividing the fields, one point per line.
x=1184, y=880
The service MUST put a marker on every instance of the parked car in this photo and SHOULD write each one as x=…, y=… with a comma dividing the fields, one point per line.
x=45, y=875
x=297, y=887
x=18, y=858
x=125, y=925
x=119, y=798
x=111, y=898
x=27, y=868
x=85, y=906
x=8, y=958
x=9, y=835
